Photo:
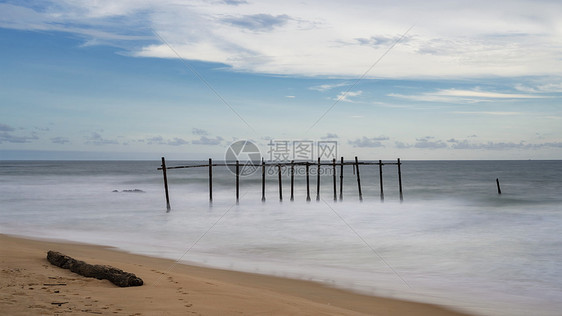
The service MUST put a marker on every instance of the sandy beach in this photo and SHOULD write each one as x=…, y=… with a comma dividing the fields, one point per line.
x=30, y=285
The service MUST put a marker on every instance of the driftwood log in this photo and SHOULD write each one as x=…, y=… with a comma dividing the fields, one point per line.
x=100, y=272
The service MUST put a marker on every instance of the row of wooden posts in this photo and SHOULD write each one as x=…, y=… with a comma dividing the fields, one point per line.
x=292, y=165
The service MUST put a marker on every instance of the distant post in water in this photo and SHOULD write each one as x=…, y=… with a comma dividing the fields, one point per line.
x=307, y=183
x=237, y=181
x=292, y=180
x=210, y=180
x=358, y=179
x=318, y=181
x=341, y=179
x=280, y=185
x=380, y=180
x=262, y=180
x=334, y=178
x=498, y=184
x=400, y=181
x=168, y=208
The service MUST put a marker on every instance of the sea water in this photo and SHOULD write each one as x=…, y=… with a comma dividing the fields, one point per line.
x=453, y=241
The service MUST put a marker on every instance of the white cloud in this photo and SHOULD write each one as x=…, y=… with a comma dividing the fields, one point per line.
x=483, y=94
x=463, y=96
x=345, y=96
x=327, y=87
x=509, y=38
x=258, y=22
x=550, y=87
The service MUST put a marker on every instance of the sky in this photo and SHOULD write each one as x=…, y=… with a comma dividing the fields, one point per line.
x=417, y=80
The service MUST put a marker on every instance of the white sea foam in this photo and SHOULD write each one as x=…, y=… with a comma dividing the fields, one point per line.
x=454, y=241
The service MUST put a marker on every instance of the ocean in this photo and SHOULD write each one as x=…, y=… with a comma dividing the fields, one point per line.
x=453, y=240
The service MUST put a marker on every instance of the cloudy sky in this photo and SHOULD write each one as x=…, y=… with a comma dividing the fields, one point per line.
x=99, y=79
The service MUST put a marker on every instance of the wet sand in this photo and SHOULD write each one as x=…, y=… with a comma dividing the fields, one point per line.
x=30, y=285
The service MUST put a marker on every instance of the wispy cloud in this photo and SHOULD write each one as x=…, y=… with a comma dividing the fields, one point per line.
x=346, y=96
x=455, y=144
x=203, y=140
x=96, y=139
x=234, y=2
x=429, y=143
x=296, y=38
x=327, y=87
x=330, y=136
x=378, y=41
x=199, y=131
x=371, y=142
x=484, y=94
x=466, y=145
x=60, y=140
x=7, y=137
x=257, y=22
x=6, y=128
x=159, y=140
x=496, y=113
x=463, y=96
x=177, y=141
x=92, y=22
x=551, y=87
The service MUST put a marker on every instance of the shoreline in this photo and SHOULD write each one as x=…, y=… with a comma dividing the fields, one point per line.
x=170, y=288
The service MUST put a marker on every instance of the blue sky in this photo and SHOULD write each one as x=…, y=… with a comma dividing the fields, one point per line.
x=184, y=79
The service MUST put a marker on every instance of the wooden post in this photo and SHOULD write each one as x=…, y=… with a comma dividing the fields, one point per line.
x=334, y=178
x=210, y=180
x=358, y=179
x=262, y=180
x=292, y=180
x=400, y=181
x=307, y=183
x=168, y=208
x=341, y=179
x=280, y=185
x=498, y=184
x=380, y=180
x=318, y=181
x=237, y=181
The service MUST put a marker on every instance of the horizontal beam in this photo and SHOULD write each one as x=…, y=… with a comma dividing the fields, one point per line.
x=304, y=163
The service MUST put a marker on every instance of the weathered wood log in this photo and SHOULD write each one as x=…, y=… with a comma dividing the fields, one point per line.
x=100, y=272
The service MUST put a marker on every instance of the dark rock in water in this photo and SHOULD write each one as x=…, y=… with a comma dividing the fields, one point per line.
x=114, y=275
x=115, y=191
x=133, y=191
